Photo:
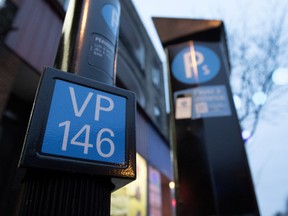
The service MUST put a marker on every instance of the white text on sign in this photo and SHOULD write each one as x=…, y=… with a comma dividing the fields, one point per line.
x=86, y=123
x=86, y=129
x=78, y=112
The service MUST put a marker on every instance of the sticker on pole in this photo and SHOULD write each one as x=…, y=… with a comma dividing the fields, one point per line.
x=85, y=123
x=183, y=107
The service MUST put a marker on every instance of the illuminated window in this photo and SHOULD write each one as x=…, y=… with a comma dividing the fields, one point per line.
x=2, y=3
x=156, y=111
x=156, y=76
x=132, y=199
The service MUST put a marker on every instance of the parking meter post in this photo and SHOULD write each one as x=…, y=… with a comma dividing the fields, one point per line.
x=89, y=40
x=206, y=135
x=60, y=186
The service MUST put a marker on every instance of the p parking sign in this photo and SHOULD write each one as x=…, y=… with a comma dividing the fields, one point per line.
x=80, y=124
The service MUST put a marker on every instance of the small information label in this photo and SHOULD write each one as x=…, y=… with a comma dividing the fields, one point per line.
x=206, y=101
x=101, y=52
x=183, y=107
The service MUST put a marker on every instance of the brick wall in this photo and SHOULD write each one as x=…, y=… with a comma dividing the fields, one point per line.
x=8, y=70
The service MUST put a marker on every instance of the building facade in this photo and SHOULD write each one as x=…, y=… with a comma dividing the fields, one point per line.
x=30, y=31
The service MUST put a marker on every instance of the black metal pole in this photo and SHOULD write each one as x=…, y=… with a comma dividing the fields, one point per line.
x=88, y=45
x=49, y=193
x=88, y=48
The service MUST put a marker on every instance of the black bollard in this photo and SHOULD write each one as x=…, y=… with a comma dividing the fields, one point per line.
x=69, y=182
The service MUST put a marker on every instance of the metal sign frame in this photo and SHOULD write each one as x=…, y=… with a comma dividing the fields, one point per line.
x=31, y=153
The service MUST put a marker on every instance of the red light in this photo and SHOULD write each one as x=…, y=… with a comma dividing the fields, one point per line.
x=173, y=202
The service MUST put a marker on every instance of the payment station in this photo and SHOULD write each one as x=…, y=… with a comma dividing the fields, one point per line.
x=211, y=167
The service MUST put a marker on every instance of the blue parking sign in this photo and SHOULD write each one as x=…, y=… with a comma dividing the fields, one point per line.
x=86, y=123
x=195, y=64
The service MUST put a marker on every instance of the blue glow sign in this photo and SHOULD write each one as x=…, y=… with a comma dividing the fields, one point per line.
x=111, y=16
x=86, y=123
x=195, y=64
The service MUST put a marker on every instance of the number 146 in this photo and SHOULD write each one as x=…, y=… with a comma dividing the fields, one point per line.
x=85, y=130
